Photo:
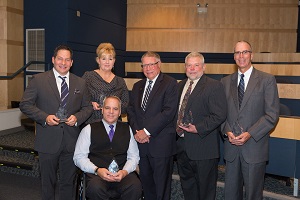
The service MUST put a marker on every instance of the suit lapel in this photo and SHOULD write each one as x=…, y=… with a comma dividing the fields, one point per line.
x=53, y=85
x=72, y=87
x=233, y=89
x=196, y=91
x=155, y=88
x=250, y=87
x=141, y=92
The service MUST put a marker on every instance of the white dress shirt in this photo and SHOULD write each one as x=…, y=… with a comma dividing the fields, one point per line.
x=82, y=151
x=247, y=75
x=59, y=80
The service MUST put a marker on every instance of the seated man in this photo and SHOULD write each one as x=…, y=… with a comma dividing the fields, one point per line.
x=104, y=146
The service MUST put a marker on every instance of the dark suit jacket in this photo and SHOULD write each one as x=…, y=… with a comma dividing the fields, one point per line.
x=258, y=114
x=207, y=103
x=159, y=116
x=41, y=98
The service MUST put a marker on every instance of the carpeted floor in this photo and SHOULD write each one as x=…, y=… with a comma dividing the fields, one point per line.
x=19, y=184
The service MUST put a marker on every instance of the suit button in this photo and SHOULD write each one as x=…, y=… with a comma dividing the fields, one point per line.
x=61, y=126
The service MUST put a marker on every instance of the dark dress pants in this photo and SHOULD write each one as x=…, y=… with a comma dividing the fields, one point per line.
x=198, y=177
x=129, y=188
x=49, y=164
x=156, y=177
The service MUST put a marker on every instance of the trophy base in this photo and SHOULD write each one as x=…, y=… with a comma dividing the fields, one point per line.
x=62, y=120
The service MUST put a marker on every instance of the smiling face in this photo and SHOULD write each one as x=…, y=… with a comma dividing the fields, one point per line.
x=62, y=62
x=243, y=56
x=111, y=109
x=194, y=67
x=106, y=62
x=151, y=67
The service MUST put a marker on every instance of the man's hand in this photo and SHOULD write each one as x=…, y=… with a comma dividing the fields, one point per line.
x=189, y=128
x=106, y=175
x=240, y=139
x=71, y=121
x=120, y=175
x=141, y=136
x=96, y=106
x=52, y=120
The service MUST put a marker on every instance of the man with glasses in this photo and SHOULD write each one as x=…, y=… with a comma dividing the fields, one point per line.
x=151, y=115
x=253, y=110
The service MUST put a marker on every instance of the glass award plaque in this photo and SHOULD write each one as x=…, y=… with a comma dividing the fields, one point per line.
x=237, y=129
x=62, y=114
x=100, y=100
x=187, y=119
x=113, y=166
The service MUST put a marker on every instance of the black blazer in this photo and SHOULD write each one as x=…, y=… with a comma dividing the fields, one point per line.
x=158, y=118
x=207, y=103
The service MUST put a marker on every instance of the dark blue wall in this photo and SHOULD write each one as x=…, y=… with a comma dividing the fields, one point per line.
x=99, y=21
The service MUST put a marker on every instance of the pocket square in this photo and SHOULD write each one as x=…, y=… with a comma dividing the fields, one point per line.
x=76, y=91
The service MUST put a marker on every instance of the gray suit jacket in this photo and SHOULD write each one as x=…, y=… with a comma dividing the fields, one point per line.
x=41, y=98
x=207, y=103
x=258, y=115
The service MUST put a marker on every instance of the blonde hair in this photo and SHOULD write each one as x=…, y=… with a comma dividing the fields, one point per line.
x=195, y=54
x=107, y=48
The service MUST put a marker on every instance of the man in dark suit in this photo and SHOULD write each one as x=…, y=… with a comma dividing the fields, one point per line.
x=151, y=114
x=55, y=140
x=198, y=129
x=253, y=111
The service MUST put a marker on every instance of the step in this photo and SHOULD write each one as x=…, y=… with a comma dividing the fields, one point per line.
x=21, y=166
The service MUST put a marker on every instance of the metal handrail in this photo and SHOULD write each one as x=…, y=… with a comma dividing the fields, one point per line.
x=24, y=67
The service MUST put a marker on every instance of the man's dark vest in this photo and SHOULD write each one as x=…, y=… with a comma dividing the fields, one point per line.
x=102, y=151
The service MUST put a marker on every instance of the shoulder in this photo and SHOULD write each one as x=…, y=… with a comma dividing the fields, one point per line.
x=77, y=78
x=120, y=79
x=122, y=124
x=88, y=74
x=262, y=74
x=167, y=77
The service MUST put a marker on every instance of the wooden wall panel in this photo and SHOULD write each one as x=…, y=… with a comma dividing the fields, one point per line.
x=11, y=50
x=215, y=68
x=157, y=25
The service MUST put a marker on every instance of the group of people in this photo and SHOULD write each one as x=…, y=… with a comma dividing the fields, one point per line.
x=165, y=119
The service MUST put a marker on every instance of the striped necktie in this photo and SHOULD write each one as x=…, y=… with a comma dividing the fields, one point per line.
x=111, y=132
x=147, y=93
x=64, y=93
x=241, y=90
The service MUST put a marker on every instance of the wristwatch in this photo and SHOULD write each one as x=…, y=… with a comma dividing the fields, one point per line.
x=96, y=171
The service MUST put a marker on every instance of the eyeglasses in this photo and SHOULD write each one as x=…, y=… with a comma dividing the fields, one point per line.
x=149, y=65
x=245, y=52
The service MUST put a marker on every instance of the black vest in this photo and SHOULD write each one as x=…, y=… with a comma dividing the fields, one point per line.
x=102, y=151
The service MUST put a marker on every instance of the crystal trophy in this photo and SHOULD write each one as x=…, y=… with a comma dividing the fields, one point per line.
x=100, y=100
x=237, y=129
x=62, y=114
x=113, y=166
x=187, y=119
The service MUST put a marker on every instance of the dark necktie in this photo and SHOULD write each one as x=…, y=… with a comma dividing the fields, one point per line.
x=146, y=96
x=64, y=93
x=111, y=132
x=241, y=90
x=182, y=108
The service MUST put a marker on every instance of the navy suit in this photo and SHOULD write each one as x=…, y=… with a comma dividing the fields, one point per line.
x=159, y=120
